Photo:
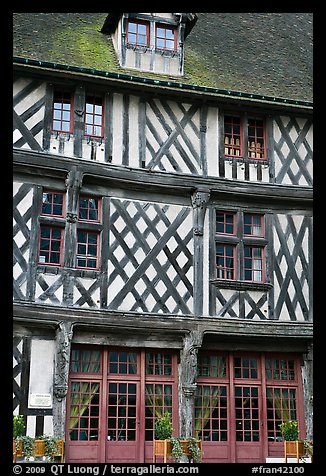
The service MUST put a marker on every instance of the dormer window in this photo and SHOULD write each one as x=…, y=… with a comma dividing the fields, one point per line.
x=152, y=42
x=166, y=38
x=137, y=33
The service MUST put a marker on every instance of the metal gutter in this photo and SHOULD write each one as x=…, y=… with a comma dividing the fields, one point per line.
x=162, y=83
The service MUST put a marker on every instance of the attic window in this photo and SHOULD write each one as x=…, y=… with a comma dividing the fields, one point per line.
x=137, y=33
x=166, y=38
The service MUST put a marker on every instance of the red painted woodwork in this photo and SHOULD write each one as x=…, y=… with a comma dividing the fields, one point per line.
x=241, y=398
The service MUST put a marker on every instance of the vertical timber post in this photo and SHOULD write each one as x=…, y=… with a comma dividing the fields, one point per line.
x=188, y=372
x=307, y=380
x=62, y=357
x=199, y=202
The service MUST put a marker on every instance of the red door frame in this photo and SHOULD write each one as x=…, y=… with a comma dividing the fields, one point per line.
x=76, y=450
x=264, y=448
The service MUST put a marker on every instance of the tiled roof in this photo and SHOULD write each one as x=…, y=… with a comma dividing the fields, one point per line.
x=257, y=53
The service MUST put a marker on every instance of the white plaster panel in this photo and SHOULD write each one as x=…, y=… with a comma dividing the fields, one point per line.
x=212, y=139
x=41, y=367
x=133, y=131
x=117, y=145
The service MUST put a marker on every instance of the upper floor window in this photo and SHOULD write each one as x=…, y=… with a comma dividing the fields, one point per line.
x=94, y=116
x=50, y=245
x=166, y=38
x=52, y=204
x=137, y=33
x=89, y=209
x=236, y=128
x=240, y=246
x=62, y=112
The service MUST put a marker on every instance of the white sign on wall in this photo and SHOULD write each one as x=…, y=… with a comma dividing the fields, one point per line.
x=40, y=400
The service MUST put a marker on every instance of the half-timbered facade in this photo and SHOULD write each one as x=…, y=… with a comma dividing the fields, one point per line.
x=162, y=232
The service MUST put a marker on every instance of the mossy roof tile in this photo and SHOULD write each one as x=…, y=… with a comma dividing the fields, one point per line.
x=257, y=53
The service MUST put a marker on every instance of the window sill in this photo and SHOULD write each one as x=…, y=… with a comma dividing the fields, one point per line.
x=77, y=272
x=240, y=285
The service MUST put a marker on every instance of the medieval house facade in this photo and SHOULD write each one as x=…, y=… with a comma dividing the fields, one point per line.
x=163, y=230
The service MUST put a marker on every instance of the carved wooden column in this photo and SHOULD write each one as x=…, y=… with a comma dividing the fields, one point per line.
x=187, y=380
x=62, y=356
x=199, y=202
x=73, y=185
x=307, y=380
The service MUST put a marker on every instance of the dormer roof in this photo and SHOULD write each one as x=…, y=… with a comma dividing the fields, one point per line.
x=112, y=21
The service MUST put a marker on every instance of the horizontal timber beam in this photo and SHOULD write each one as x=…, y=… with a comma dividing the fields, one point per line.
x=49, y=165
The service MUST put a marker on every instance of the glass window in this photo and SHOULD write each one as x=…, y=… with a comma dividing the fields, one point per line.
x=52, y=204
x=61, y=112
x=165, y=37
x=225, y=223
x=225, y=261
x=253, y=263
x=137, y=33
x=87, y=248
x=232, y=136
x=88, y=209
x=256, y=141
x=50, y=245
x=94, y=116
x=253, y=225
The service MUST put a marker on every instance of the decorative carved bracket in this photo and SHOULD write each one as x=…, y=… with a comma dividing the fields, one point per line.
x=189, y=361
x=73, y=184
x=63, y=342
x=199, y=202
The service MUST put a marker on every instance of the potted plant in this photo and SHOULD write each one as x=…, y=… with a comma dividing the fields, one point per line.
x=165, y=445
x=27, y=447
x=292, y=445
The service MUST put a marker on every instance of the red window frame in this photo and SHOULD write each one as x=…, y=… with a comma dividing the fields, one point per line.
x=84, y=410
x=85, y=360
x=233, y=133
x=162, y=39
x=94, y=116
x=251, y=261
x=256, y=139
x=225, y=223
x=52, y=203
x=225, y=263
x=253, y=221
x=86, y=255
x=87, y=210
x=62, y=109
x=123, y=362
x=50, y=249
x=137, y=35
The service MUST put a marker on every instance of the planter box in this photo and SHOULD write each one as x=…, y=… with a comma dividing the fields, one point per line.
x=18, y=452
x=294, y=448
x=163, y=449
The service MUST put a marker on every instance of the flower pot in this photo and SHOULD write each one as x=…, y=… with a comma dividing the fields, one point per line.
x=163, y=448
x=294, y=448
x=39, y=451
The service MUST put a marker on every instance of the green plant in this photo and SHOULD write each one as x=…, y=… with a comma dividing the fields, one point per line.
x=18, y=425
x=289, y=430
x=194, y=450
x=163, y=427
x=28, y=446
x=177, y=451
x=50, y=446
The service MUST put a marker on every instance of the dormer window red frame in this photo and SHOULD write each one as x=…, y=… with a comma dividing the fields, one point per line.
x=137, y=33
x=165, y=38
